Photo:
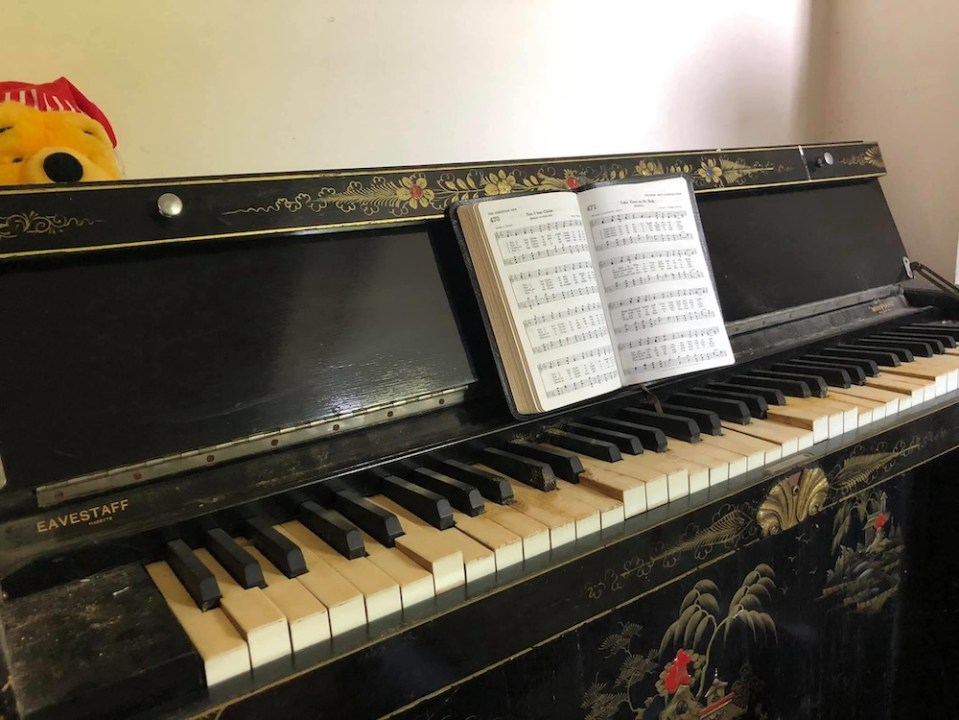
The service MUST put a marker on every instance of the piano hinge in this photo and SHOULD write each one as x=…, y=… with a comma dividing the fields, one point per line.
x=121, y=477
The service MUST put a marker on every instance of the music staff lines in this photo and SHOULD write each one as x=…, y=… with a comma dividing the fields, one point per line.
x=667, y=276
x=654, y=255
x=653, y=297
x=562, y=314
x=590, y=381
x=622, y=217
x=572, y=339
x=547, y=298
x=640, y=325
x=575, y=357
x=506, y=233
x=554, y=251
x=655, y=237
x=552, y=270
x=668, y=337
x=675, y=362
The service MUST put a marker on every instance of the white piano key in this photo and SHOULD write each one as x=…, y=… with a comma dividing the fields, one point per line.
x=224, y=653
x=260, y=622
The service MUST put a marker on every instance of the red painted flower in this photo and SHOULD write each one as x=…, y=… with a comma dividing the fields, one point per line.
x=676, y=672
x=572, y=183
x=881, y=520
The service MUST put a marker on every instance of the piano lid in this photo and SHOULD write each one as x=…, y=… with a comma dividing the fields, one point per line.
x=278, y=309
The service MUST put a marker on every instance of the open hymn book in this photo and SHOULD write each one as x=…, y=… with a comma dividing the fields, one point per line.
x=592, y=290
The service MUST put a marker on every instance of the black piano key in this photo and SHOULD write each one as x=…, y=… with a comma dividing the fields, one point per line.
x=857, y=376
x=947, y=340
x=866, y=366
x=772, y=396
x=491, y=486
x=534, y=473
x=934, y=345
x=242, y=566
x=681, y=428
x=835, y=377
x=916, y=347
x=706, y=420
x=565, y=464
x=880, y=357
x=584, y=445
x=950, y=330
x=462, y=496
x=278, y=549
x=629, y=444
x=651, y=437
x=785, y=385
x=334, y=529
x=382, y=525
x=195, y=576
x=425, y=504
x=754, y=402
x=815, y=383
x=904, y=354
x=726, y=408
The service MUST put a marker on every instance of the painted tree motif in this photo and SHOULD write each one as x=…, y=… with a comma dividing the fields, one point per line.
x=685, y=658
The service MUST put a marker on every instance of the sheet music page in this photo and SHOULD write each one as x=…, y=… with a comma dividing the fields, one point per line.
x=654, y=276
x=543, y=263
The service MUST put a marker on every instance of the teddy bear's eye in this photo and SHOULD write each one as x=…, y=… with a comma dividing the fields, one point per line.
x=4, y=129
x=18, y=160
x=88, y=132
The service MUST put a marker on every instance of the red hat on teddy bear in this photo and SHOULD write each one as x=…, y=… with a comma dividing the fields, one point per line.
x=59, y=95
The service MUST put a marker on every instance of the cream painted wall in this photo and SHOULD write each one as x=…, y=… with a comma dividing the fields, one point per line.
x=888, y=70
x=230, y=86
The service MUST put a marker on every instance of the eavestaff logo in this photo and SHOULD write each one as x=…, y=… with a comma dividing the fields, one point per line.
x=93, y=515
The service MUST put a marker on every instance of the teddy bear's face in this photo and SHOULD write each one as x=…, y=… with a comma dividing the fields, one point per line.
x=52, y=146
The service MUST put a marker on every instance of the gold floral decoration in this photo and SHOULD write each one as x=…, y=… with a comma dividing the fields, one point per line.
x=710, y=171
x=413, y=190
x=647, y=168
x=871, y=156
x=499, y=183
x=33, y=223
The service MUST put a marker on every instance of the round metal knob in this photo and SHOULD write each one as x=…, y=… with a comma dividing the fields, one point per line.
x=825, y=159
x=169, y=205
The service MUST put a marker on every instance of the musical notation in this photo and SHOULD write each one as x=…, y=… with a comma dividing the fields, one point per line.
x=551, y=270
x=685, y=253
x=656, y=321
x=572, y=339
x=653, y=297
x=549, y=297
x=574, y=311
x=600, y=352
x=649, y=278
x=555, y=250
x=589, y=381
x=674, y=363
x=622, y=217
x=538, y=229
x=691, y=336
x=611, y=238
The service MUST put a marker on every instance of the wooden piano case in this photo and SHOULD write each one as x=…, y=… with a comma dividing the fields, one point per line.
x=288, y=332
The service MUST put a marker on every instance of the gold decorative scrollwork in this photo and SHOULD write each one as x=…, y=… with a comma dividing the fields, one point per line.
x=792, y=500
x=871, y=156
x=33, y=223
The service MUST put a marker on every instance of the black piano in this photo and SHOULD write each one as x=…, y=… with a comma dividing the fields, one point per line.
x=255, y=461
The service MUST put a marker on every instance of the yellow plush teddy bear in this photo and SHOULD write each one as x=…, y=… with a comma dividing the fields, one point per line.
x=51, y=133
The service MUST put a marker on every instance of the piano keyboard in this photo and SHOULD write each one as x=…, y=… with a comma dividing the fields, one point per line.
x=245, y=602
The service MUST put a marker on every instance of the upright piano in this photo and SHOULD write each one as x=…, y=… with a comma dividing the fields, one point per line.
x=255, y=461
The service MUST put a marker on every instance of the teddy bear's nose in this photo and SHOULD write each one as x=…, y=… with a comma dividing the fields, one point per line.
x=63, y=167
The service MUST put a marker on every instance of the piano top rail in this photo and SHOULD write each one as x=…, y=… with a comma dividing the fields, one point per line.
x=95, y=217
